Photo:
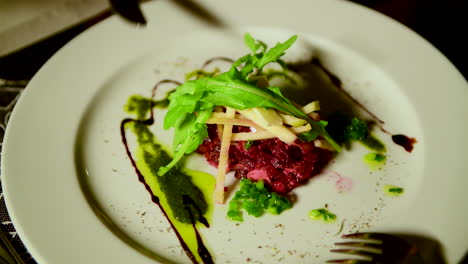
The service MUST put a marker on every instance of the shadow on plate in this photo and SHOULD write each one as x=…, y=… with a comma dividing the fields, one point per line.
x=430, y=248
x=90, y=195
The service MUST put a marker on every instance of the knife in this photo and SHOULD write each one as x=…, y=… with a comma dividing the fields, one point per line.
x=58, y=18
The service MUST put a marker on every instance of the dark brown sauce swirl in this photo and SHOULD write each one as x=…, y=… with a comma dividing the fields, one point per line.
x=214, y=59
x=202, y=250
x=404, y=141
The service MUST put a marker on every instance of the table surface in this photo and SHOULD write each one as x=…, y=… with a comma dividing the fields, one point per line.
x=443, y=23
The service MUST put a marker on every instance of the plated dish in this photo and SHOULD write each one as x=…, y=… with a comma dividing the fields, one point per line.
x=86, y=188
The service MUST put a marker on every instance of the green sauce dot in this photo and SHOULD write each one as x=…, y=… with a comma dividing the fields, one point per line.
x=322, y=214
x=375, y=160
x=393, y=191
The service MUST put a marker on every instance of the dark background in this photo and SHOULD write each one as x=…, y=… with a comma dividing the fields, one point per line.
x=444, y=23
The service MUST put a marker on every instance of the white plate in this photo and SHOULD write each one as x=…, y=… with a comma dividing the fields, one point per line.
x=74, y=197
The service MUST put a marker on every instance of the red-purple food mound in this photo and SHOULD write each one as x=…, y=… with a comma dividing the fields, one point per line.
x=281, y=166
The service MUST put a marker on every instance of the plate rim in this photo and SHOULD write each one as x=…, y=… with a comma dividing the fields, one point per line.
x=36, y=81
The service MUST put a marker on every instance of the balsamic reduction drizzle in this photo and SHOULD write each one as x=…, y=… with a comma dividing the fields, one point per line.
x=404, y=141
x=337, y=82
x=202, y=250
x=208, y=62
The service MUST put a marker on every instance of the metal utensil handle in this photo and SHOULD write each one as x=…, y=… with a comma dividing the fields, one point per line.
x=9, y=247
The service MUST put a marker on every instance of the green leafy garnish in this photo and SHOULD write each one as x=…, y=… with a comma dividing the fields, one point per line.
x=322, y=214
x=253, y=44
x=255, y=199
x=260, y=56
x=192, y=102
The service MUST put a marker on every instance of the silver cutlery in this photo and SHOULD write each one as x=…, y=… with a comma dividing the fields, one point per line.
x=376, y=248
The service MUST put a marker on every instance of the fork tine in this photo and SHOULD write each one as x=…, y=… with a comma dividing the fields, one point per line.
x=377, y=247
x=373, y=246
x=349, y=261
x=358, y=252
x=370, y=235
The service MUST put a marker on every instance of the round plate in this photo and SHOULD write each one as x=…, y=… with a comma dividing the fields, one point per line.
x=74, y=196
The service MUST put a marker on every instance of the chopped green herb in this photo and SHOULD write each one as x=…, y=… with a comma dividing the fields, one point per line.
x=374, y=144
x=374, y=160
x=255, y=199
x=356, y=130
x=192, y=102
x=248, y=144
x=322, y=214
x=393, y=191
x=344, y=128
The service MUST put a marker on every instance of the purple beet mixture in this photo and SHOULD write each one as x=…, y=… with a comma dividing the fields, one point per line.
x=282, y=167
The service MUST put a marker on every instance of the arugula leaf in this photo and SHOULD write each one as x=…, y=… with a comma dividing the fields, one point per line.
x=276, y=52
x=254, y=44
x=230, y=89
x=259, y=60
x=308, y=136
x=251, y=42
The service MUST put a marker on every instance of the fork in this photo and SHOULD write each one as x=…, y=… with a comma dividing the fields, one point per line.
x=377, y=248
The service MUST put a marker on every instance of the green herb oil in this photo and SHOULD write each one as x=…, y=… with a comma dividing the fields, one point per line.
x=322, y=214
x=374, y=160
x=185, y=195
x=392, y=190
